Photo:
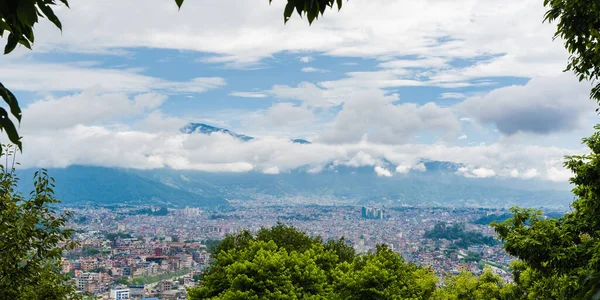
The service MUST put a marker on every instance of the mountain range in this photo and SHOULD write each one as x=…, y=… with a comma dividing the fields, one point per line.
x=201, y=128
x=439, y=185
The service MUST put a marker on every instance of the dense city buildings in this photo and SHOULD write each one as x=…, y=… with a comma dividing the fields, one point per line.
x=145, y=252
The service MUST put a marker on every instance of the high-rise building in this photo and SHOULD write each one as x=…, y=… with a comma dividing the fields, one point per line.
x=372, y=213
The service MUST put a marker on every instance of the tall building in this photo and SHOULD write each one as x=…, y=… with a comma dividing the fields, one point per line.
x=372, y=213
x=119, y=293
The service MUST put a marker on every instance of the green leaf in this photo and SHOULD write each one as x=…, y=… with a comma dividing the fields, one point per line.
x=11, y=43
x=65, y=2
x=50, y=15
x=339, y=4
x=11, y=100
x=3, y=27
x=25, y=43
x=179, y=3
x=10, y=129
x=27, y=13
x=289, y=10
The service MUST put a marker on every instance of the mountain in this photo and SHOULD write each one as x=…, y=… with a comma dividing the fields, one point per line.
x=347, y=185
x=208, y=129
x=97, y=185
x=201, y=128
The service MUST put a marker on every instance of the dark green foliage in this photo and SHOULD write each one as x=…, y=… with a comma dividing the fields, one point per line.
x=562, y=253
x=579, y=26
x=310, y=8
x=141, y=280
x=382, y=275
x=114, y=236
x=90, y=251
x=472, y=256
x=256, y=267
x=466, y=286
x=32, y=238
x=486, y=220
x=457, y=233
x=17, y=18
x=162, y=211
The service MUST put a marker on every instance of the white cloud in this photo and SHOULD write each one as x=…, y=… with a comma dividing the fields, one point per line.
x=249, y=94
x=306, y=59
x=462, y=137
x=284, y=113
x=361, y=159
x=49, y=77
x=404, y=168
x=90, y=107
x=308, y=93
x=542, y=106
x=420, y=167
x=371, y=115
x=122, y=147
x=382, y=172
x=313, y=70
x=271, y=170
x=452, y=96
x=425, y=29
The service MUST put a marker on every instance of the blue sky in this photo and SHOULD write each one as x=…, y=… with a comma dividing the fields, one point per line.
x=385, y=84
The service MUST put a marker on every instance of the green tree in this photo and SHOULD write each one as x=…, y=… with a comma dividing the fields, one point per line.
x=579, y=26
x=561, y=257
x=466, y=286
x=256, y=267
x=383, y=275
x=564, y=253
x=262, y=270
x=32, y=238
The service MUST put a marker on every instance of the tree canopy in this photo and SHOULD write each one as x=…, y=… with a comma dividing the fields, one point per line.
x=32, y=238
x=284, y=263
x=560, y=258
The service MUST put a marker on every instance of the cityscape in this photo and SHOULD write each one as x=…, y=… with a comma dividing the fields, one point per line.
x=155, y=252
x=351, y=150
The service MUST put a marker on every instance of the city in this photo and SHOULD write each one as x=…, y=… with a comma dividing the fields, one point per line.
x=146, y=252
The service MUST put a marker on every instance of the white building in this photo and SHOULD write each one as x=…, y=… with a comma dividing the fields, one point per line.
x=119, y=293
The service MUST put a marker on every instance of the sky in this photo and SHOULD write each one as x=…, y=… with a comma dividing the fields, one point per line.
x=383, y=84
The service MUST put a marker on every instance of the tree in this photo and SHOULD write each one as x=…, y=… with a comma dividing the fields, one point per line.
x=383, y=275
x=466, y=286
x=301, y=267
x=564, y=253
x=17, y=19
x=579, y=26
x=561, y=257
x=32, y=238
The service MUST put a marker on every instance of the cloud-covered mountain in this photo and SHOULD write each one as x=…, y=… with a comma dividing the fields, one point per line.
x=439, y=186
x=208, y=129
x=202, y=128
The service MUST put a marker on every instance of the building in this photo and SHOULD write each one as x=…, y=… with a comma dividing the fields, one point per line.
x=119, y=293
x=165, y=285
x=372, y=213
x=136, y=291
x=87, y=282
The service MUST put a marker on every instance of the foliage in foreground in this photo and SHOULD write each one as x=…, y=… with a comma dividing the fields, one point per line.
x=32, y=238
x=284, y=263
x=561, y=257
